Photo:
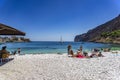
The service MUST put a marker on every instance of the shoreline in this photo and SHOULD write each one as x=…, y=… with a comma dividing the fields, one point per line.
x=61, y=67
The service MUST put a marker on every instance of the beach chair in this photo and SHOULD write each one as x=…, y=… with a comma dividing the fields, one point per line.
x=4, y=57
x=0, y=60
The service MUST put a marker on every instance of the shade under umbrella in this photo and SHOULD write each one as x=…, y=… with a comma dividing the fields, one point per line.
x=7, y=30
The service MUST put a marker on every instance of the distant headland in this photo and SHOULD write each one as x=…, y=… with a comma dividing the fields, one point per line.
x=108, y=32
x=13, y=39
x=10, y=34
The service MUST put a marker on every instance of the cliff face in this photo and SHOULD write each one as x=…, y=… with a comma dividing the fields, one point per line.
x=96, y=34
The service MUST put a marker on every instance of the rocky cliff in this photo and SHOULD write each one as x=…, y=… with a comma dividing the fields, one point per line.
x=108, y=32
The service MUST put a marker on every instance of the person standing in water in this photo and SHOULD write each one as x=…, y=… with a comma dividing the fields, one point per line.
x=19, y=50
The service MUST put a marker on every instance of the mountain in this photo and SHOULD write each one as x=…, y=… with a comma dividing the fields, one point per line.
x=108, y=32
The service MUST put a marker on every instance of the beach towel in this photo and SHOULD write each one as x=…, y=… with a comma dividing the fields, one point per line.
x=80, y=56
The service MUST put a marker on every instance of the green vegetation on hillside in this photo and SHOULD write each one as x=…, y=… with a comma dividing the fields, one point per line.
x=113, y=34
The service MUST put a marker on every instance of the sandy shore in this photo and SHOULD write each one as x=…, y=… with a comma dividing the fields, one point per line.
x=61, y=67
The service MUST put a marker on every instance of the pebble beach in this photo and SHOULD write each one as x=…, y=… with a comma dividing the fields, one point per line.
x=61, y=67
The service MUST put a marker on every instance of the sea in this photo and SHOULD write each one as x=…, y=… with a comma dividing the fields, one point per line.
x=54, y=47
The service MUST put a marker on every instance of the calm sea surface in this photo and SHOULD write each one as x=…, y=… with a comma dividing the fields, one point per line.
x=45, y=47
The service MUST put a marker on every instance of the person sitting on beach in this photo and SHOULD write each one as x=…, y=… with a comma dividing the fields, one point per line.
x=4, y=53
x=93, y=55
x=79, y=55
x=100, y=54
x=96, y=53
x=96, y=50
x=86, y=54
x=81, y=48
x=70, y=51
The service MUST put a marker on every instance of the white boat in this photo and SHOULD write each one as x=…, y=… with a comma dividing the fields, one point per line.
x=61, y=41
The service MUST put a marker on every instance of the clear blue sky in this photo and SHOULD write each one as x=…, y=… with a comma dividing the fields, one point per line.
x=47, y=20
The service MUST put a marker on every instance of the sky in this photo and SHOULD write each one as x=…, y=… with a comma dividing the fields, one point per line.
x=48, y=20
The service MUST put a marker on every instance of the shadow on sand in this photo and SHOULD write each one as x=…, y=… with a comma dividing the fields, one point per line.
x=6, y=61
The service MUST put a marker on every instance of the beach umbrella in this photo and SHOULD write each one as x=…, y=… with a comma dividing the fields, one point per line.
x=7, y=30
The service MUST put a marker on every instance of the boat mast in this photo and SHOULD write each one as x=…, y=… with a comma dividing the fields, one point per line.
x=61, y=41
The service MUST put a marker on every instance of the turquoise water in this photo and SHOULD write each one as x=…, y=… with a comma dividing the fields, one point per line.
x=44, y=47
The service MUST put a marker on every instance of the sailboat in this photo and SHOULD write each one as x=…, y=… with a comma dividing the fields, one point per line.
x=61, y=41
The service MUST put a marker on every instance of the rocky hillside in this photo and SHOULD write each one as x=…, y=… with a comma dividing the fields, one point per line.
x=108, y=32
